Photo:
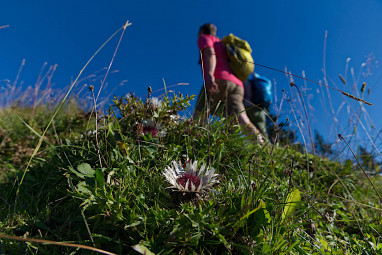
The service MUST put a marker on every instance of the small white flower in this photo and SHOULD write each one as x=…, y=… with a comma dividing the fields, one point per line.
x=174, y=117
x=156, y=102
x=188, y=178
x=153, y=102
x=89, y=133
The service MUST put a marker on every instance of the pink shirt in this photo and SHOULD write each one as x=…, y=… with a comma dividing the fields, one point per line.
x=222, y=70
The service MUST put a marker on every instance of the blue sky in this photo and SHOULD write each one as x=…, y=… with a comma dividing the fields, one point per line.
x=161, y=44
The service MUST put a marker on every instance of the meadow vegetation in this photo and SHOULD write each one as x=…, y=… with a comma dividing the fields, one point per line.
x=100, y=182
x=103, y=186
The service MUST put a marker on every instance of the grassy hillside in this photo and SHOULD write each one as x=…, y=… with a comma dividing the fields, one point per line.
x=102, y=185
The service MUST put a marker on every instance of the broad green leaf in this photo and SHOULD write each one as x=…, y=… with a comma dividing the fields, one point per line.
x=291, y=202
x=142, y=249
x=76, y=172
x=86, y=170
x=82, y=188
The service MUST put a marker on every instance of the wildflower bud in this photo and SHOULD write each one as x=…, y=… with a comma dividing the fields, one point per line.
x=342, y=79
x=149, y=89
x=91, y=87
x=363, y=87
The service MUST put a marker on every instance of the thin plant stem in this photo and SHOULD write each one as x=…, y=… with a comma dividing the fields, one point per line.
x=96, y=124
x=303, y=139
x=306, y=115
x=87, y=226
x=112, y=59
x=111, y=62
x=207, y=108
x=359, y=164
x=310, y=134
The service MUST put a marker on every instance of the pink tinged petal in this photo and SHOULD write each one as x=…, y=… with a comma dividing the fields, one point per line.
x=186, y=187
x=193, y=188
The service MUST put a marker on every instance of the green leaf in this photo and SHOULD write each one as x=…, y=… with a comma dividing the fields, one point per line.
x=291, y=202
x=99, y=175
x=86, y=170
x=83, y=188
x=142, y=249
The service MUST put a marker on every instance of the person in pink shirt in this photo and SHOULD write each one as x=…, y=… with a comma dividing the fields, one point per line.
x=225, y=92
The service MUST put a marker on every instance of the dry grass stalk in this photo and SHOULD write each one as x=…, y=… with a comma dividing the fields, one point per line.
x=355, y=98
x=33, y=240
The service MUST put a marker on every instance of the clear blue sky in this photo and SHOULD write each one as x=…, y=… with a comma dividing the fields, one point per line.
x=161, y=43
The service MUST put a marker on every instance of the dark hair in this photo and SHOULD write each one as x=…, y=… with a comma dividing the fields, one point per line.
x=208, y=29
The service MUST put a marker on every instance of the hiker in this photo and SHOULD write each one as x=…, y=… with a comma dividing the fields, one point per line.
x=257, y=98
x=222, y=86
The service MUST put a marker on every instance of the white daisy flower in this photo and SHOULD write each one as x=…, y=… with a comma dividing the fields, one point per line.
x=189, y=178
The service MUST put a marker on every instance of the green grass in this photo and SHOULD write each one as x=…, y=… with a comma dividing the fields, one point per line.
x=106, y=188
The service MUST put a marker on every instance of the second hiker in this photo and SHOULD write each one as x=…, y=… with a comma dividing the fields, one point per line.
x=258, y=97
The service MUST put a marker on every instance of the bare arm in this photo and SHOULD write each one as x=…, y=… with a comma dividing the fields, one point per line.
x=209, y=65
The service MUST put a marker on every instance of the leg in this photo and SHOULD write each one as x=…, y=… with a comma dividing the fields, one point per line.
x=258, y=117
x=235, y=107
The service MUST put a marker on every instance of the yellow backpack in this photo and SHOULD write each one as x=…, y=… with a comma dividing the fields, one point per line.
x=239, y=56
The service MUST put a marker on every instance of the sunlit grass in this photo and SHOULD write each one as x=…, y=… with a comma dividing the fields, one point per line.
x=92, y=180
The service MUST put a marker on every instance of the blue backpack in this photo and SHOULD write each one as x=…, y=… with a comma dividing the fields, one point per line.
x=261, y=91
